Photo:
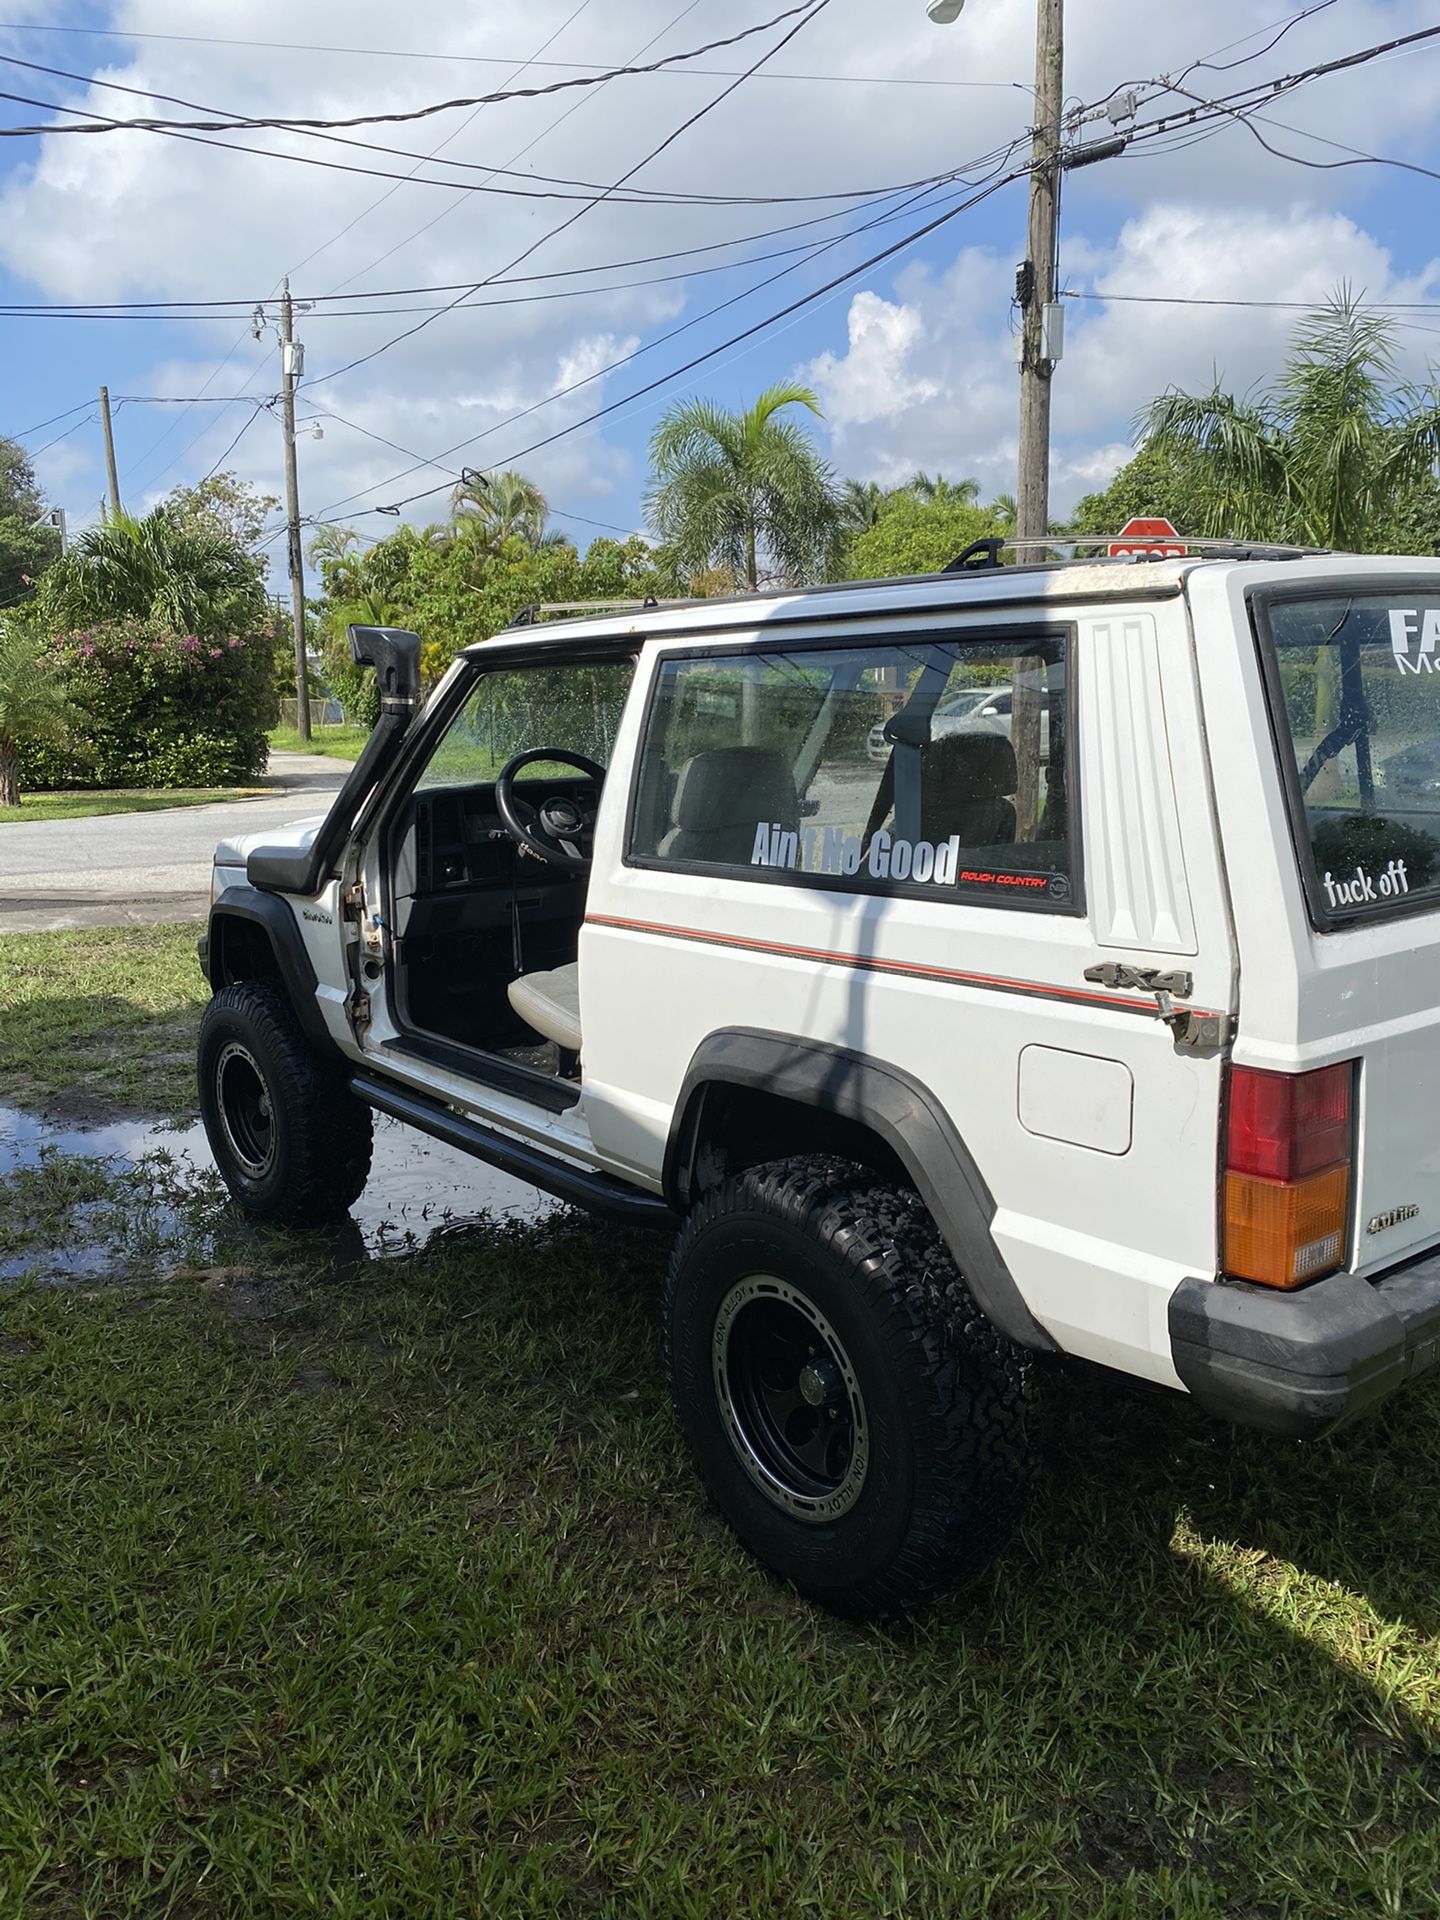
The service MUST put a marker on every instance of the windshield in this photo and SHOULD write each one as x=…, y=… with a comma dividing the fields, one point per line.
x=1356, y=687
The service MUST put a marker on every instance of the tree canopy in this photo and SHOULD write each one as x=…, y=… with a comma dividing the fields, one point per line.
x=227, y=506
x=27, y=545
x=161, y=567
x=1329, y=455
x=747, y=493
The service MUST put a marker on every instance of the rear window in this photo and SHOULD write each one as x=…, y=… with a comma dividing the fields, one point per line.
x=1355, y=688
x=924, y=766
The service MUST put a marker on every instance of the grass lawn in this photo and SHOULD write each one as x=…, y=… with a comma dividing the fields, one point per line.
x=340, y=743
x=84, y=806
x=100, y=1022
x=379, y=1585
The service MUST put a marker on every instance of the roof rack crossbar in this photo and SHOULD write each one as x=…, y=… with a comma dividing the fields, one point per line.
x=548, y=609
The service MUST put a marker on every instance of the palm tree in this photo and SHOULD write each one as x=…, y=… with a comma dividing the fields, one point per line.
x=861, y=504
x=934, y=490
x=746, y=492
x=1321, y=458
x=33, y=706
x=188, y=577
x=1004, y=512
x=497, y=507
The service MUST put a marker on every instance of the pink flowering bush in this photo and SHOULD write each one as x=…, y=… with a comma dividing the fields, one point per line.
x=161, y=709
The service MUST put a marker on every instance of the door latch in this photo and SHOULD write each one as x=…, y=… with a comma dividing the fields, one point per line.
x=1189, y=1028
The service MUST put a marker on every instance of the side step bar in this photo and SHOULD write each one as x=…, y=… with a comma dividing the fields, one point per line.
x=582, y=1186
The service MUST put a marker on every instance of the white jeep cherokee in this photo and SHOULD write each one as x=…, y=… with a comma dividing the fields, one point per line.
x=1112, y=1030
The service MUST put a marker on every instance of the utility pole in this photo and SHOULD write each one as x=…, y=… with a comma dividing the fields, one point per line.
x=292, y=365
x=1040, y=344
x=109, y=433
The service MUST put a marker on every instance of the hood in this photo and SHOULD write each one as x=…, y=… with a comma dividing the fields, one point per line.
x=294, y=837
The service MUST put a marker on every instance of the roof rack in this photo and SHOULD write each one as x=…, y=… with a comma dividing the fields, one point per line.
x=982, y=555
x=1053, y=551
x=547, y=609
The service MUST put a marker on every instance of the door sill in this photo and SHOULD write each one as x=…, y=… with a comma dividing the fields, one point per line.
x=587, y=1187
x=487, y=1069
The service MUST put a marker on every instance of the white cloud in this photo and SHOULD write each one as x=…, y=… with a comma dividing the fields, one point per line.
x=927, y=392
x=924, y=376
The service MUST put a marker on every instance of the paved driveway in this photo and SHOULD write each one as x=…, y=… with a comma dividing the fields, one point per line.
x=133, y=868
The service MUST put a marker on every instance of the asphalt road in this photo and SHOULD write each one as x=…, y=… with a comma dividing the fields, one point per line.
x=136, y=868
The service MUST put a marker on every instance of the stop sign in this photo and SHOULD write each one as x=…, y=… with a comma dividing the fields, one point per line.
x=1148, y=535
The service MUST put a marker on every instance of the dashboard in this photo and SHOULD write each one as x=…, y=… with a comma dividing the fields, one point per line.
x=460, y=840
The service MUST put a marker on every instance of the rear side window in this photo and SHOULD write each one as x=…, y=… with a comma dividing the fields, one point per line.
x=923, y=767
x=1355, y=694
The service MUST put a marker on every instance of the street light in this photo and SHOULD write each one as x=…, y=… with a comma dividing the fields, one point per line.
x=942, y=12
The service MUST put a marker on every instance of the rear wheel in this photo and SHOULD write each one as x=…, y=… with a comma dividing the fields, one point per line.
x=856, y=1418
x=291, y=1141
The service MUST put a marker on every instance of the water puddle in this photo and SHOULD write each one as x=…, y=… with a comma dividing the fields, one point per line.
x=418, y=1187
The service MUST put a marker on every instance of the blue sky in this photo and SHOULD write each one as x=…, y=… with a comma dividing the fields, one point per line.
x=911, y=359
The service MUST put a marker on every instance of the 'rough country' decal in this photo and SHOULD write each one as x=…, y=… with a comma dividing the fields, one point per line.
x=832, y=850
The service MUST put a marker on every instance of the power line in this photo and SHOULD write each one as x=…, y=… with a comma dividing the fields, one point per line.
x=499, y=60
x=640, y=197
x=1212, y=300
x=247, y=302
x=651, y=346
x=40, y=425
x=449, y=140
x=759, y=326
x=812, y=12
x=176, y=315
x=62, y=436
x=298, y=124
x=542, y=186
x=244, y=429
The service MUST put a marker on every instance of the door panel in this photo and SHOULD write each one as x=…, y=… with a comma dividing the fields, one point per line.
x=955, y=992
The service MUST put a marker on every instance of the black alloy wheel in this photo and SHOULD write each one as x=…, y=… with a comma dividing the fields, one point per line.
x=853, y=1414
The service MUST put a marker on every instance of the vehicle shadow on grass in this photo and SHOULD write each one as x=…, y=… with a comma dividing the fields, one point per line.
x=1224, y=1650
x=1205, y=1680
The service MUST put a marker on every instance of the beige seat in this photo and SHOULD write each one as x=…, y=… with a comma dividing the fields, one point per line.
x=550, y=1002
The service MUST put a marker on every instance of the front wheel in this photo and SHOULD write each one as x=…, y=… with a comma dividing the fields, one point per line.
x=291, y=1141
x=855, y=1417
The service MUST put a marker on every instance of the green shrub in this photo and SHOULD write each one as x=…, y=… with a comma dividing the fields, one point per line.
x=160, y=708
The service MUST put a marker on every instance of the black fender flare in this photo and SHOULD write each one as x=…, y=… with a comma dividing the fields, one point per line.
x=891, y=1104
x=273, y=915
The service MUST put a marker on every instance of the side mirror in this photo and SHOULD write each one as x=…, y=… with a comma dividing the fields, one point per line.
x=395, y=656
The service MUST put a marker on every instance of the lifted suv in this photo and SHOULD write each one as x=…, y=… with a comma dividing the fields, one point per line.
x=1107, y=1026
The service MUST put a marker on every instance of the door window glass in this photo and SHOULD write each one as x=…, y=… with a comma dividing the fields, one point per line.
x=924, y=766
x=513, y=710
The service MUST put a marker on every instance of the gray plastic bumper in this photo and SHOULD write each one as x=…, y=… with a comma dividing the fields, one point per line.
x=1301, y=1363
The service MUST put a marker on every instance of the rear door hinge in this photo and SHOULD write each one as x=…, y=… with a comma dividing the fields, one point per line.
x=1189, y=1028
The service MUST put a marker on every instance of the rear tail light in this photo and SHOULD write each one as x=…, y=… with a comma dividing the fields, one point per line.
x=1289, y=1143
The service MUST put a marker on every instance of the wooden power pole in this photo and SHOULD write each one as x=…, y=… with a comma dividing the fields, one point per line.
x=109, y=433
x=292, y=361
x=1037, y=290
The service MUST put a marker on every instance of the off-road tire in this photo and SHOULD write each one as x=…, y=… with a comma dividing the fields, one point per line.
x=944, y=1396
x=305, y=1161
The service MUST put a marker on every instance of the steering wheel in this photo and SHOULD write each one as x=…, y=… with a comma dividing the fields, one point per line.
x=559, y=831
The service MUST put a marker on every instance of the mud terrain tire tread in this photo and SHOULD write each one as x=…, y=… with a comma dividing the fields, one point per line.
x=325, y=1133
x=963, y=1390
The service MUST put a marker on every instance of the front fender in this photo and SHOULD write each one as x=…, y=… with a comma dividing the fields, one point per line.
x=271, y=914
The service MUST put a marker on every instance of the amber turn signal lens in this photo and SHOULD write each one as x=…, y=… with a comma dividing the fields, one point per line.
x=1283, y=1233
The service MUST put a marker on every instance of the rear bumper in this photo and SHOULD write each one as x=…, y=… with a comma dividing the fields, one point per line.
x=1302, y=1363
